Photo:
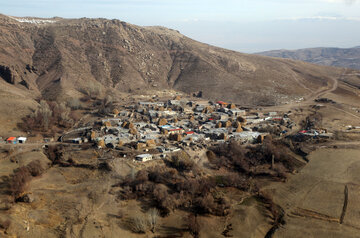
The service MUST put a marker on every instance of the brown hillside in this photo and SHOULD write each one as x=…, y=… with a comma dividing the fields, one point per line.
x=59, y=58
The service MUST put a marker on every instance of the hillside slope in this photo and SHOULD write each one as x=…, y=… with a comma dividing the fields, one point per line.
x=59, y=58
x=346, y=58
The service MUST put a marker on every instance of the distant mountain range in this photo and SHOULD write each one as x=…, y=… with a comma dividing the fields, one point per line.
x=340, y=57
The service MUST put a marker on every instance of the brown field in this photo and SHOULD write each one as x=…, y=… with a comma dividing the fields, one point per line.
x=315, y=197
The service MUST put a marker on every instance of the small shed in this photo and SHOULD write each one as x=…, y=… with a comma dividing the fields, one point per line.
x=21, y=140
x=11, y=140
x=144, y=157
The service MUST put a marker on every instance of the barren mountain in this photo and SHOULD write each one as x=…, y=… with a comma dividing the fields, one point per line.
x=57, y=58
x=346, y=58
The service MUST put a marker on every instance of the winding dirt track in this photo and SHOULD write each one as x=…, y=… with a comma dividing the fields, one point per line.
x=317, y=94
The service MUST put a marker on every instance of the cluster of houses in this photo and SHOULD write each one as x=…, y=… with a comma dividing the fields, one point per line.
x=16, y=140
x=166, y=127
x=315, y=133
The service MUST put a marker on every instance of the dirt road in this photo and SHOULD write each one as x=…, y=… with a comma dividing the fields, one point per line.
x=309, y=99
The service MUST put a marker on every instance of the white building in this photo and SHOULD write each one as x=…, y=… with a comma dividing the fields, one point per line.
x=144, y=157
x=237, y=112
x=21, y=140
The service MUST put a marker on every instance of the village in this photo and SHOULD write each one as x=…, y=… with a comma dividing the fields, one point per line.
x=154, y=129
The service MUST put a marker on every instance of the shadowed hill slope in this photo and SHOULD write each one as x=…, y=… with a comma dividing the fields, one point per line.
x=347, y=58
x=61, y=58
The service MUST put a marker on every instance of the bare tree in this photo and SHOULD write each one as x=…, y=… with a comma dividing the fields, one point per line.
x=153, y=215
x=138, y=224
x=64, y=118
x=74, y=103
x=132, y=173
x=45, y=113
x=193, y=225
x=106, y=106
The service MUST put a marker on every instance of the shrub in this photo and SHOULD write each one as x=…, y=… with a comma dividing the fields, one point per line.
x=4, y=225
x=168, y=190
x=163, y=200
x=231, y=156
x=138, y=224
x=74, y=103
x=19, y=180
x=105, y=166
x=23, y=175
x=181, y=161
x=106, y=106
x=92, y=90
x=35, y=168
x=232, y=180
x=55, y=153
x=236, y=157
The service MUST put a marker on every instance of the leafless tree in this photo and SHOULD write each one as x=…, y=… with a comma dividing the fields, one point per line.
x=92, y=90
x=106, y=106
x=153, y=215
x=138, y=224
x=193, y=225
x=45, y=113
x=74, y=103
x=132, y=173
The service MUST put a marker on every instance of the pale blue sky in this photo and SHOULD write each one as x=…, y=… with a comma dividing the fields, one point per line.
x=243, y=25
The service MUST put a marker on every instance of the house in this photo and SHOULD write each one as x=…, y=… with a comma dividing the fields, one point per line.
x=194, y=137
x=173, y=149
x=111, y=139
x=144, y=157
x=124, y=113
x=21, y=140
x=174, y=102
x=222, y=104
x=152, y=113
x=215, y=133
x=172, y=129
x=11, y=140
x=246, y=136
x=224, y=110
x=237, y=112
x=76, y=140
x=166, y=113
x=199, y=108
x=161, y=149
x=272, y=114
x=151, y=104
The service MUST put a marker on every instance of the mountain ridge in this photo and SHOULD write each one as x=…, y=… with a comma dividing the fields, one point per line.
x=327, y=56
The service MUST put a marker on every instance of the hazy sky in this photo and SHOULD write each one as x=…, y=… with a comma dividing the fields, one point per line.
x=242, y=25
